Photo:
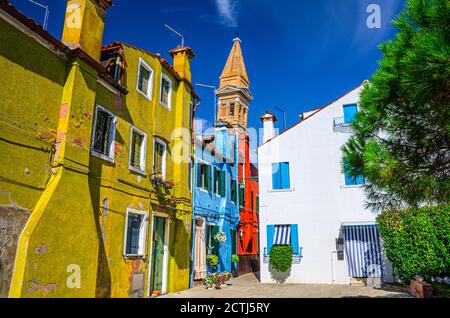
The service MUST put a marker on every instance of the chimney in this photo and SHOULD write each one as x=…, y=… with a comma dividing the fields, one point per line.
x=268, y=120
x=84, y=25
x=222, y=138
x=182, y=56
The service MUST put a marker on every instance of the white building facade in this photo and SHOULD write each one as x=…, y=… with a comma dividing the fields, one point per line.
x=309, y=202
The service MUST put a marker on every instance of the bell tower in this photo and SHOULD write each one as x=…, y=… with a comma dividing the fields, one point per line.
x=234, y=95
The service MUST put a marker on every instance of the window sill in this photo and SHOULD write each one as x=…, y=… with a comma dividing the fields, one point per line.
x=281, y=190
x=356, y=186
x=134, y=257
x=147, y=97
x=138, y=171
x=102, y=156
x=168, y=107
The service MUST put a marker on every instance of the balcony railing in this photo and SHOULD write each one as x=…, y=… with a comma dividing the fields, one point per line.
x=296, y=258
x=340, y=124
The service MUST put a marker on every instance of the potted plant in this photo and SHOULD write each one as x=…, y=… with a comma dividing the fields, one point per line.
x=213, y=261
x=234, y=261
x=281, y=258
x=162, y=190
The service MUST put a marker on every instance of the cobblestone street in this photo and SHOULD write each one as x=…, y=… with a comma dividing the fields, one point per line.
x=247, y=286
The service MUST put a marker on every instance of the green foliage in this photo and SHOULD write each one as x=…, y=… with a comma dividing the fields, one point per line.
x=402, y=132
x=234, y=258
x=281, y=258
x=213, y=260
x=417, y=241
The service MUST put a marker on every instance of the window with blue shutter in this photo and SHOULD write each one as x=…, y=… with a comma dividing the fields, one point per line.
x=349, y=180
x=350, y=112
x=280, y=176
x=294, y=239
x=270, y=233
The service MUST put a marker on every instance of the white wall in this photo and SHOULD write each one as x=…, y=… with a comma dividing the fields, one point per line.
x=319, y=202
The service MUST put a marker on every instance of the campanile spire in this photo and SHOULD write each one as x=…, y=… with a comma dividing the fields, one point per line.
x=234, y=94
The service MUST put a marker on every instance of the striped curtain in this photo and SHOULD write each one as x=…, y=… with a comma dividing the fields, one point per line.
x=200, y=253
x=363, y=251
x=282, y=235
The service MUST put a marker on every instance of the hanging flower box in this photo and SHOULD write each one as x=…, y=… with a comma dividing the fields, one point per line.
x=220, y=237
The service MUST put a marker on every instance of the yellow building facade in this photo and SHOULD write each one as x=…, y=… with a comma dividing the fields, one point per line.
x=95, y=147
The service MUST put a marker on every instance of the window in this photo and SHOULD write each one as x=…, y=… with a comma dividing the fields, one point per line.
x=212, y=244
x=286, y=234
x=190, y=176
x=165, y=97
x=138, y=150
x=280, y=176
x=159, y=158
x=135, y=233
x=204, y=176
x=253, y=200
x=350, y=112
x=241, y=197
x=232, y=110
x=233, y=191
x=257, y=204
x=352, y=181
x=219, y=182
x=104, y=134
x=191, y=115
x=144, y=83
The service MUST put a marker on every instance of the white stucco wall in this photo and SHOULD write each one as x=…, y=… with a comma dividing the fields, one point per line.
x=319, y=202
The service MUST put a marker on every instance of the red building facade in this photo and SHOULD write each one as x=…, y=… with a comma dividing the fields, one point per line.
x=248, y=236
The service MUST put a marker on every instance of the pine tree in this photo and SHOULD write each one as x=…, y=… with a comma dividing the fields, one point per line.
x=401, y=140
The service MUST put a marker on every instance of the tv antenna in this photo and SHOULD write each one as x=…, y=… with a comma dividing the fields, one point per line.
x=47, y=13
x=176, y=32
x=284, y=116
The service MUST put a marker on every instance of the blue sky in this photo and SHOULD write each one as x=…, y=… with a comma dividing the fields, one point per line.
x=300, y=54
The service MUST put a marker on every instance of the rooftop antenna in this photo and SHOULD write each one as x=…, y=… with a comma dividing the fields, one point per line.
x=215, y=98
x=284, y=116
x=47, y=13
x=174, y=31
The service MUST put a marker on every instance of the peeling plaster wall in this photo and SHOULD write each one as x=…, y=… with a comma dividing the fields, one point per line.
x=12, y=222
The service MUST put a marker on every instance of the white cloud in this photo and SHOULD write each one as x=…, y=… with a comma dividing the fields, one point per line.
x=228, y=12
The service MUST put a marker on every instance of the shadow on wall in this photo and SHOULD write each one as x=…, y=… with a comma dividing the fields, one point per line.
x=277, y=276
x=103, y=285
x=180, y=249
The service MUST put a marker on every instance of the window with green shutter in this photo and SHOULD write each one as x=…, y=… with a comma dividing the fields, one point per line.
x=207, y=178
x=241, y=197
x=233, y=191
x=222, y=184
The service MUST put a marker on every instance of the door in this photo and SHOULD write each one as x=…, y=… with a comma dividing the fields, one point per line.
x=159, y=233
x=200, y=250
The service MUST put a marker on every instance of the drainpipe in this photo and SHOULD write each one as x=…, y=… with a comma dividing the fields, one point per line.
x=332, y=267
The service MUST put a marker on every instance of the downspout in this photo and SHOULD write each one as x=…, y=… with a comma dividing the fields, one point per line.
x=194, y=182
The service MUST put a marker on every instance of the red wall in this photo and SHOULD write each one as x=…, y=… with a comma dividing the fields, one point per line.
x=248, y=226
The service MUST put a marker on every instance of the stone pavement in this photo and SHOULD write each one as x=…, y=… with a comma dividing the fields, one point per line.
x=248, y=286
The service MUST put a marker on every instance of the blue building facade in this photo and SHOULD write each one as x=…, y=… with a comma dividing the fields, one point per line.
x=215, y=201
